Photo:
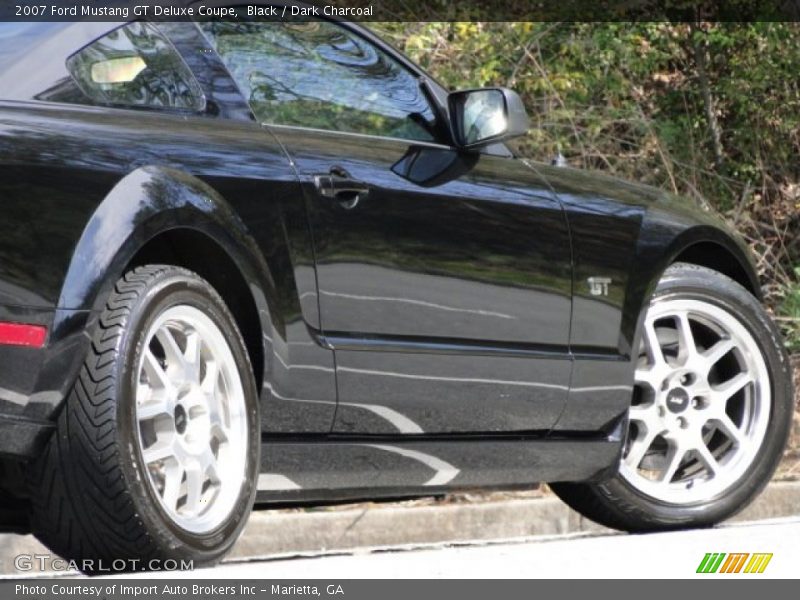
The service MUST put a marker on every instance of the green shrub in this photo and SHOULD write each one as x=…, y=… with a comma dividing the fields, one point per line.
x=789, y=315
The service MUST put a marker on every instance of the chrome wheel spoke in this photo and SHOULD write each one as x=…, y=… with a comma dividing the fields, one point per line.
x=172, y=351
x=208, y=463
x=158, y=404
x=674, y=459
x=211, y=379
x=194, y=487
x=159, y=451
x=638, y=449
x=652, y=346
x=717, y=351
x=647, y=415
x=651, y=377
x=216, y=408
x=730, y=430
x=687, y=349
x=732, y=386
x=219, y=432
x=648, y=429
x=707, y=458
x=173, y=474
x=156, y=375
x=192, y=357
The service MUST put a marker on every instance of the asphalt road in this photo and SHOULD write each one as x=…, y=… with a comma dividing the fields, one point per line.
x=663, y=555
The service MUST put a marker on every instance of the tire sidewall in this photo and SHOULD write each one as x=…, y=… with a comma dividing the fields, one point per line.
x=168, y=291
x=689, y=282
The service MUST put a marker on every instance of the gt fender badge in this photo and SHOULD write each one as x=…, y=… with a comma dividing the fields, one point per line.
x=598, y=286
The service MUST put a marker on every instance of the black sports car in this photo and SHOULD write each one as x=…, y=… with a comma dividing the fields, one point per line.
x=275, y=262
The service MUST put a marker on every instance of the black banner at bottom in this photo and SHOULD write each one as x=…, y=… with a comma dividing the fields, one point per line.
x=249, y=589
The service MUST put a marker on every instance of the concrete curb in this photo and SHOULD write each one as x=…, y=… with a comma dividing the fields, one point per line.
x=294, y=533
x=270, y=534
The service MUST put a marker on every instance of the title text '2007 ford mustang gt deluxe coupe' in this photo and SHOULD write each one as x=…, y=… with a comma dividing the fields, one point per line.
x=274, y=261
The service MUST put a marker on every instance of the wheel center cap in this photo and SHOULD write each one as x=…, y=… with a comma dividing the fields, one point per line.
x=180, y=419
x=677, y=400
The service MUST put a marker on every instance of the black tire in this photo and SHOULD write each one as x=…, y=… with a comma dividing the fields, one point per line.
x=618, y=504
x=91, y=499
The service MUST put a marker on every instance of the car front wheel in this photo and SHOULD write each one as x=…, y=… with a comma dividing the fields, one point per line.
x=156, y=451
x=711, y=410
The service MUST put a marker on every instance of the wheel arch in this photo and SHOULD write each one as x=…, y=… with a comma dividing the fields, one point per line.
x=213, y=263
x=716, y=256
x=705, y=245
x=165, y=216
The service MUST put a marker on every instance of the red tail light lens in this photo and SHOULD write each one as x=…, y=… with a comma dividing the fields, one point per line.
x=17, y=334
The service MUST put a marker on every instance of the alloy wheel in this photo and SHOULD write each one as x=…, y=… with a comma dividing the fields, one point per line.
x=701, y=403
x=191, y=417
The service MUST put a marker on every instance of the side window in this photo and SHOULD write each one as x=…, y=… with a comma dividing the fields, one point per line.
x=317, y=74
x=135, y=65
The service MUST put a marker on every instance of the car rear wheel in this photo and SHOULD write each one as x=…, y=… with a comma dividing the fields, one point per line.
x=711, y=410
x=156, y=452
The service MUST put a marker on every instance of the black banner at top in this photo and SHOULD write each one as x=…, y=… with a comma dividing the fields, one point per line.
x=403, y=10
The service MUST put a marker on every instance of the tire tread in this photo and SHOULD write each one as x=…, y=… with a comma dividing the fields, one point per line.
x=80, y=505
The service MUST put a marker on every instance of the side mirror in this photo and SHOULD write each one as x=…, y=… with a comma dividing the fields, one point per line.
x=485, y=116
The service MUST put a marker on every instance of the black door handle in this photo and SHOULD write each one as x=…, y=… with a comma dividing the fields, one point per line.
x=338, y=185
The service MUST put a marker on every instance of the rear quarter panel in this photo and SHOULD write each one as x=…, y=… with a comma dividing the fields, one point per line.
x=81, y=189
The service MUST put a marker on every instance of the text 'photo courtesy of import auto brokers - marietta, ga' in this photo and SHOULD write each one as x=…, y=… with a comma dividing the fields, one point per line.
x=162, y=590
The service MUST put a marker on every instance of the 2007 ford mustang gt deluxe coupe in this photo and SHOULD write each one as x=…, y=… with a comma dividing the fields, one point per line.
x=276, y=262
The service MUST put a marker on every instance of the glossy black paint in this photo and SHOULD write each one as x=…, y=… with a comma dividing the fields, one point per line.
x=211, y=176
x=405, y=468
x=444, y=318
x=480, y=259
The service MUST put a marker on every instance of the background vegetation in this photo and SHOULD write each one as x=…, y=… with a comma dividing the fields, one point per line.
x=709, y=110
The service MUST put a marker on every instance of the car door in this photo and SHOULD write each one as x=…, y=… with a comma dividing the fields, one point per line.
x=444, y=277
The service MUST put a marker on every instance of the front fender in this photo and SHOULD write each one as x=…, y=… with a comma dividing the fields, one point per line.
x=665, y=237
